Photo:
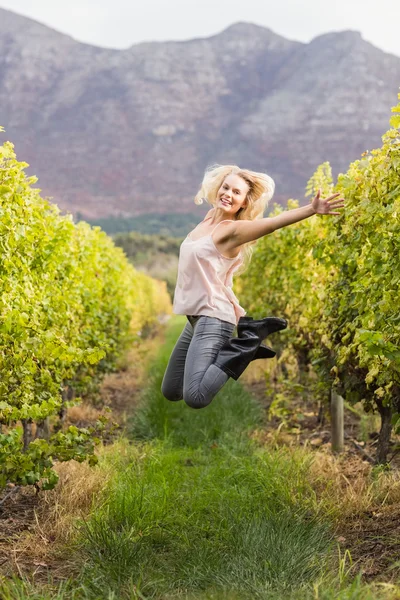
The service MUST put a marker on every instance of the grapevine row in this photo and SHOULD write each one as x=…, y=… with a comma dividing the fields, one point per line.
x=337, y=281
x=70, y=302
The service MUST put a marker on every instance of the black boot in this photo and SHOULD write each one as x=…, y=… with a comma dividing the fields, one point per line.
x=263, y=351
x=236, y=354
x=274, y=324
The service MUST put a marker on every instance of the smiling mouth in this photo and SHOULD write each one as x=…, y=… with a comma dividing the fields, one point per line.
x=225, y=201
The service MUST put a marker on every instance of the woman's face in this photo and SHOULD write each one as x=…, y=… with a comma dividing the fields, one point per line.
x=232, y=194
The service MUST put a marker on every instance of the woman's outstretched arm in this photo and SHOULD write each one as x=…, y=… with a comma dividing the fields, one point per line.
x=246, y=231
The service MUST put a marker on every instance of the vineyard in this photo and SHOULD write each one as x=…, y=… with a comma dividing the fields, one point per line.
x=199, y=505
x=70, y=303
x=337, y=281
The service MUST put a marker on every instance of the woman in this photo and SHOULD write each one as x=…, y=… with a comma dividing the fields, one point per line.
x=206, y=354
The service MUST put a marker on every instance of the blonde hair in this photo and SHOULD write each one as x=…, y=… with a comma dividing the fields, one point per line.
x=261, y=190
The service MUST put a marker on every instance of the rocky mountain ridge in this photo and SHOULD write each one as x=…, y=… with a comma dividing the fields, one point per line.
x=131, y=131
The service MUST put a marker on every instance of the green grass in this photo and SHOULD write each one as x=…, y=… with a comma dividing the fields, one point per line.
x=189, y=520
x=198, y=511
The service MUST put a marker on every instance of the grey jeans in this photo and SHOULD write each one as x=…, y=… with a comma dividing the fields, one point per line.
x=191, y=374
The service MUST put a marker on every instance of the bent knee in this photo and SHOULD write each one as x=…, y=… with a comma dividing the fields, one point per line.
x=196, y=400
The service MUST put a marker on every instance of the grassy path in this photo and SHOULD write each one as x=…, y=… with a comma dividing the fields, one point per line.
x=197, y=510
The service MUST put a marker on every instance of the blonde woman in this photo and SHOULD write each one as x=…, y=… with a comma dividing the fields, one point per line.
x=206, y=354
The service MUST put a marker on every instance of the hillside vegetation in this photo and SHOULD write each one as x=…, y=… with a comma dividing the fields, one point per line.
x=155, y=255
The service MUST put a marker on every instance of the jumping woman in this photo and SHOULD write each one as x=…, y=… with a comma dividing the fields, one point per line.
x=206, y=354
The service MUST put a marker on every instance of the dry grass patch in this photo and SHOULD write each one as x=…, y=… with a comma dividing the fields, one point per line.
x=44, y=545
x=351, y=484
x=365, y=503
x=82, y=414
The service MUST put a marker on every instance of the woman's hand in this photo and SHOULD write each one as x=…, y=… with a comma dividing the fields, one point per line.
x=324, y=206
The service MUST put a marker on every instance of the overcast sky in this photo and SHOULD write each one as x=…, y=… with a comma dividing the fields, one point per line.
x=121, y=23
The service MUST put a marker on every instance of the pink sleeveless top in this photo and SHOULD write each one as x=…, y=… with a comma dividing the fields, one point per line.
x=204, y=283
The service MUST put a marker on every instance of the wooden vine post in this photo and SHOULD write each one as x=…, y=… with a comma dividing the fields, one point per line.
x=337, y=421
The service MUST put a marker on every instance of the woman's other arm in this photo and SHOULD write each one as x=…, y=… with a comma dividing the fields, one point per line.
x=246, y=231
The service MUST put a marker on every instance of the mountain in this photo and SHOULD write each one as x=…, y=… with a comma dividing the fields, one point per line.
x=131, y=131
